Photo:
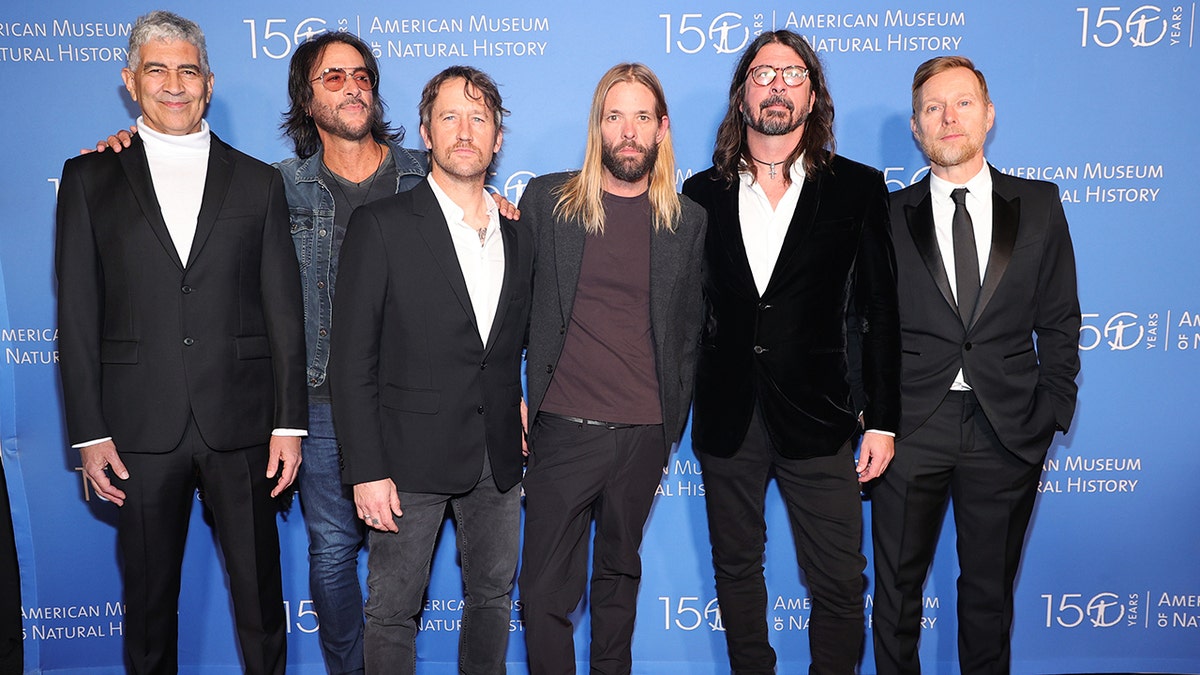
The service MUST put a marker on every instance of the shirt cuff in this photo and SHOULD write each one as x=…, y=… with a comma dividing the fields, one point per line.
x=98, y=441
x=289, y=432
x=885, y=433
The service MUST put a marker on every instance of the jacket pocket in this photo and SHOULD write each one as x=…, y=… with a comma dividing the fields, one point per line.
x=119, y=351
x=252, y=347
x=424, y=401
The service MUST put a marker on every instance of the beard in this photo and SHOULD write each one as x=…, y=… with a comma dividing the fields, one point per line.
x=329, y=119
x=459, y=167
x=628, y=169
x=774, y=122
x=945, y=154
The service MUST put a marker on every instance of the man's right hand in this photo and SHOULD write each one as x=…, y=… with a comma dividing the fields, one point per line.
x=96, y=458
x=376, y=502
x=118, y=141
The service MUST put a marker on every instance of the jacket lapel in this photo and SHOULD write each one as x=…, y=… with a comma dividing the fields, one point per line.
x=800, y=225
x=920, y=226
x=216, y=185
x=509, y=235
x=568, y=260
x=665, y=260
x=432, y=226
x=1005, y=221
x=728, y=226
x=137, y=171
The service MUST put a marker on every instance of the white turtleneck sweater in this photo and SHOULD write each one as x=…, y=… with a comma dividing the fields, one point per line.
x=178, y=168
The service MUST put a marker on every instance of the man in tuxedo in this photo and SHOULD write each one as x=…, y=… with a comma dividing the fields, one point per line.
x=433, y=302
x=980, y=401
x=800, y=288
x=612, y=349
x=182, y=348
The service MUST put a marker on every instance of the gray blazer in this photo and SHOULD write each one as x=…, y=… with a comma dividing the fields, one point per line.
x=676, y=299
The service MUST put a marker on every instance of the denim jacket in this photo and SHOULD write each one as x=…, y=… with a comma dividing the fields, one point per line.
x=310, y=204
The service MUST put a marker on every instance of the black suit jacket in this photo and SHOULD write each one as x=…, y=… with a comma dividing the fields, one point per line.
x=1028, y=289
x=675, y=299
x=788, y=351
x=417, y=397
x=146, y=342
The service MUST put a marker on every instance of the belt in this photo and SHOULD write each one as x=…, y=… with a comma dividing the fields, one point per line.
x=585, y=421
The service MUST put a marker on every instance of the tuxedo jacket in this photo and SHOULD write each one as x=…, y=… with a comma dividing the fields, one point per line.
x=826, y=320
x=145, y=341
x=1025, y=387
x=417, y=395
x=675, y=299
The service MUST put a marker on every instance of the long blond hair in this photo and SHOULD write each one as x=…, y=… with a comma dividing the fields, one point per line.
x=581, y=197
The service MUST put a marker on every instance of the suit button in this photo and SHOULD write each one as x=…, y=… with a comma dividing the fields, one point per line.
x=967, y=346
x=479, y=410
x=764, y=305
x=187, y=289
x=562, y=329
x=188, y=342
x=549, y=369
x=483, y=366
x=758, y=349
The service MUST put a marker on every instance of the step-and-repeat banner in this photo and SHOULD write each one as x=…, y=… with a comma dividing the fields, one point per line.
x=1094, y=95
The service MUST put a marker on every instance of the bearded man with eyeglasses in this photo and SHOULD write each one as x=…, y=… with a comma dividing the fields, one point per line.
x=800, y=350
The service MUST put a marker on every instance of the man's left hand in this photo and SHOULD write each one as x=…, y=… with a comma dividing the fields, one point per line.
x=284, y=460
x=874, y=455
x=507, y=208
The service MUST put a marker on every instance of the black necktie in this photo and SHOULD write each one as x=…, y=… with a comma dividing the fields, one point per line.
x=966, y=257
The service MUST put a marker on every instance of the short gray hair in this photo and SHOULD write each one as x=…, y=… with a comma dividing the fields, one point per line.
x=163, y=25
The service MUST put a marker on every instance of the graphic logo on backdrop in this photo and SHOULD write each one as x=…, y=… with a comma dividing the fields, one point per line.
x=514, y=187
x=1098, y=182
x=476, y=36
x=445, y=615
x=1107, y=610
x=26, y=47
x=690, y=612
x=1141, y=26
x=1088, y=474
x=681, y=478
x=1127, y=331
x=888, y=31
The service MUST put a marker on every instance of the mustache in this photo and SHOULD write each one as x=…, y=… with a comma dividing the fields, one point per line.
x=777, y=100
x=630, y=144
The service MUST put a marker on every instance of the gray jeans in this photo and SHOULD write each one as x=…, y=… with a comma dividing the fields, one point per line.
x=488, y=529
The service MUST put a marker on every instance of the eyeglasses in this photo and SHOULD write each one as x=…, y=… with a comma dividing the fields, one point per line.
x=793, y=76
x=335, y=78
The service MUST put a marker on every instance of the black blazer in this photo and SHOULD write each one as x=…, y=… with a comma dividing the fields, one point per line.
x=145, y=342
x=675, y=299
x=788, y=351
x=417, y=397
x=1028, y=288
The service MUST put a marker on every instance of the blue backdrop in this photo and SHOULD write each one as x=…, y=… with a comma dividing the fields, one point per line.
x=1089, y=94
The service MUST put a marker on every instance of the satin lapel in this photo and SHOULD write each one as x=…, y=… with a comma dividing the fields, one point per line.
x=509, y=235
x=568, y=260
x=920, y=226
x=431, y=224
x=728, y=225
x=1005, y=219
x=216, y=186
x=137, y=171
x=801, y=224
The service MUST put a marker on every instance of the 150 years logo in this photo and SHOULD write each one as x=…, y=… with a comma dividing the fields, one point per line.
x=1143, y=26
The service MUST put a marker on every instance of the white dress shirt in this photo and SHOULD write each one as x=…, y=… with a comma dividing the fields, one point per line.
x=979, y=205
x=764, y=227
x=481, y=262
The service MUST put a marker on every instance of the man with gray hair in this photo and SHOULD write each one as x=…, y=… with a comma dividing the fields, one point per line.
x=182, y=348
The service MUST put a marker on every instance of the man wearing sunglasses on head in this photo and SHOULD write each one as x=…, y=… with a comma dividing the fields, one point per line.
x=800, y=287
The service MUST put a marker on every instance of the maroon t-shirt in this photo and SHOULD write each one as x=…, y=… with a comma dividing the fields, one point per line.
x=607, y=369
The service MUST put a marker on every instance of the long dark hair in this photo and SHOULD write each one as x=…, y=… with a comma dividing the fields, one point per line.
x=297, y=124
x=818, y=143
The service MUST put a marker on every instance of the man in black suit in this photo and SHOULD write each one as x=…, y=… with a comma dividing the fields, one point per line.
x=432, y=306
x=182, y=347
x=612, y=350
x=801, y=292
x=980, y=402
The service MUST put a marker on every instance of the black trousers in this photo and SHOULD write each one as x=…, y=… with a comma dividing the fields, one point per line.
x=12, y=656
x=955, y=455
x=579, y=473
x=825, y=512
x=152, y=529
